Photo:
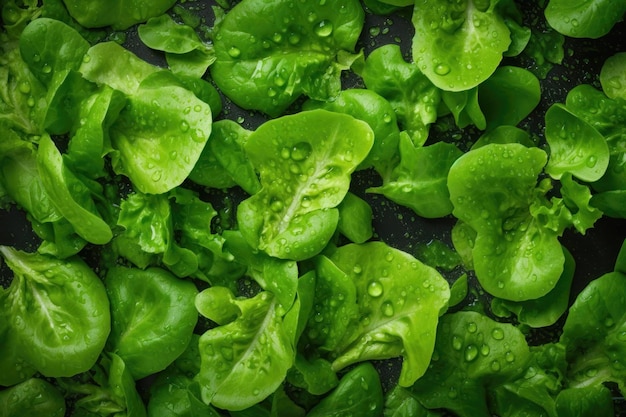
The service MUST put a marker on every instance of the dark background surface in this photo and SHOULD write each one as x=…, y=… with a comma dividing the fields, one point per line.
x=594, y=252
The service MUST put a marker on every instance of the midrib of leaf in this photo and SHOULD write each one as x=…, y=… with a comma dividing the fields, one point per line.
x=45, y=311
x=265, y=324
x=472, y=37
x=293, y=208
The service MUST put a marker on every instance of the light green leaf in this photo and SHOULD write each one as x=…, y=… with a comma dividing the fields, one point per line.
x=304, y=175
x=256, y=347
x=458, y=45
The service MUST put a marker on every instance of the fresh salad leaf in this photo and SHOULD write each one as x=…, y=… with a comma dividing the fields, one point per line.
x=584, y=18
x=253, y=343
x=32, y=398
x=359, y=392
x=21, y=180
x=399, y=302
x=355, y=219
x=508, y=96
x=458, y=45
x=334, y=306
x=612, y=76
x=420, y=179
x=575, y=146
x=605, y=116
x=153, y=317
x=411, y=94
x=223, y=162
x=492, y=189
x=543, y=311
x=90, y=135
x=118, y=14
x=58, y=312
x=367, y=105
x=14, y=367
x=69, y=195
x=472, y=354
x=304, y=176
x=184, y=50
x=50, y=48
x=465, y=107
x=298, y=48
x=593, y=333
x=111, y=64
x=155, y=144
x=534, y=391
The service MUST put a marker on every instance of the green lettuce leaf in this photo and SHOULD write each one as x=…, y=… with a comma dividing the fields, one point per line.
x=304, y=174
x=297, y=48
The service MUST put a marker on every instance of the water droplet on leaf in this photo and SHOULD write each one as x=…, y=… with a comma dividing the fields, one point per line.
x=591, y=161
x=497, y=334
x=324, y=28
x=375, y=289
x=276, y=206
x=442, y=69
x=471, y=327
x=509, y=356
x=24, y=87
x=234, y=52
x=457, y=343
x=300, y=151
x=471, y=352
x=387, y=309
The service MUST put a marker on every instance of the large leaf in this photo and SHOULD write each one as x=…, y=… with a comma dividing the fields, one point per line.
x=584, y=18
x=367, y=105
x=121, y=14
x=458, y=44
x=295, y=48
x=156, y=144
x=59, y=312
x=359, y=393
x=493, y=188
x=69, y=195
x=608, y=117
x=32, y=398
x=594, y=333
x=613, y=76
x=575, y=146
x=185, y=52
x=399, y=301
x=111, y=64
x=420, y=180
x=50, y=48
x=305, y=161
x=472, y=354
x=412, y=95
x=153, y=317
x=246, y=358
x=508, y=96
